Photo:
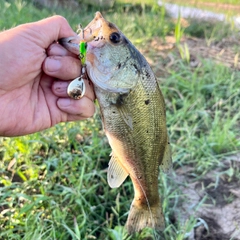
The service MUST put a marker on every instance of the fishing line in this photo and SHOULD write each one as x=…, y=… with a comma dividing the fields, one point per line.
x=149, y=208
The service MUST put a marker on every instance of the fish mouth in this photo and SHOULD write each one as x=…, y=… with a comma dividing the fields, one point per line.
x=93, y=32
x=71, y=44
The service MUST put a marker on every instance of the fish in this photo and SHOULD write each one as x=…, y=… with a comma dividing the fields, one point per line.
x=133, y=114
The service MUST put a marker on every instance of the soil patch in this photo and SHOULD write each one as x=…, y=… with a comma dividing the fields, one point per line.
x=162, y=54
x=214, y=200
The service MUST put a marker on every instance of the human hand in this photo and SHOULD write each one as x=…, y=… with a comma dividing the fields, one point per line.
x=32, y=96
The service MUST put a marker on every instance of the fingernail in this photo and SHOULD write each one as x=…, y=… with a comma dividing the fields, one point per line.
x=53, y=64
x=64, y=102
x=56, y=50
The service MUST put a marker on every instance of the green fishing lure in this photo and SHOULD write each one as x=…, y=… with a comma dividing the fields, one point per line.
x=76, y=89
x=83, y=52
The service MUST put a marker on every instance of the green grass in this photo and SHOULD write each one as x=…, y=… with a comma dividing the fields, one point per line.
x=203, y=112
x=53, y=183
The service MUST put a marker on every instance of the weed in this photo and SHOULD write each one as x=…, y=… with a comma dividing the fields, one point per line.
x=53, y=183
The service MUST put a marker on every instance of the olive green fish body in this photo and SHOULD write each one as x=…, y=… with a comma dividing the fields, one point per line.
x=135, y=125
x=133, y=115
x=134, y=119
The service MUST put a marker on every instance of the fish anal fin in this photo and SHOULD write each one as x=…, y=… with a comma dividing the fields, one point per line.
x=116, y=173
x=166, y=164
x=140, y=217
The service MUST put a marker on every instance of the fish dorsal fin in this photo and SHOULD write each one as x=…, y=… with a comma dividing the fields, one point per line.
x=116, y=173
x=166, y=164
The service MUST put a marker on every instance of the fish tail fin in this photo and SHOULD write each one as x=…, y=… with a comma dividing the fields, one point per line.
x=145, y=216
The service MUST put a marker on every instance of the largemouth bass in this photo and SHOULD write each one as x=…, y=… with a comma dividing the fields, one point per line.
x=133, y=115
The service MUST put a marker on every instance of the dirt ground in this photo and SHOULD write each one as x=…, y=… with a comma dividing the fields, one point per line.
x=161, y=55
x=215, y=198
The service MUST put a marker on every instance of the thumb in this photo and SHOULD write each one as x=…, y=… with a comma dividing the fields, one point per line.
x=53, y=28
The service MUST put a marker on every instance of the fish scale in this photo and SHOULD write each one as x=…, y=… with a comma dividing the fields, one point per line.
x=133, y=114
x=143, y=151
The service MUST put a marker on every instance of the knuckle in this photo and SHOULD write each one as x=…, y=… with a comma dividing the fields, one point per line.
x=88, y=109
x=60, y=18
x=72, y=67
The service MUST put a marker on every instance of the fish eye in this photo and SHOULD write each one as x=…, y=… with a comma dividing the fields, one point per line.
x=115, y=37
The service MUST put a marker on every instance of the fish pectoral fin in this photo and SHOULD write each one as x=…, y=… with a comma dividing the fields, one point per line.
x=166, y=164
x=116, y=173
x=126, y=116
